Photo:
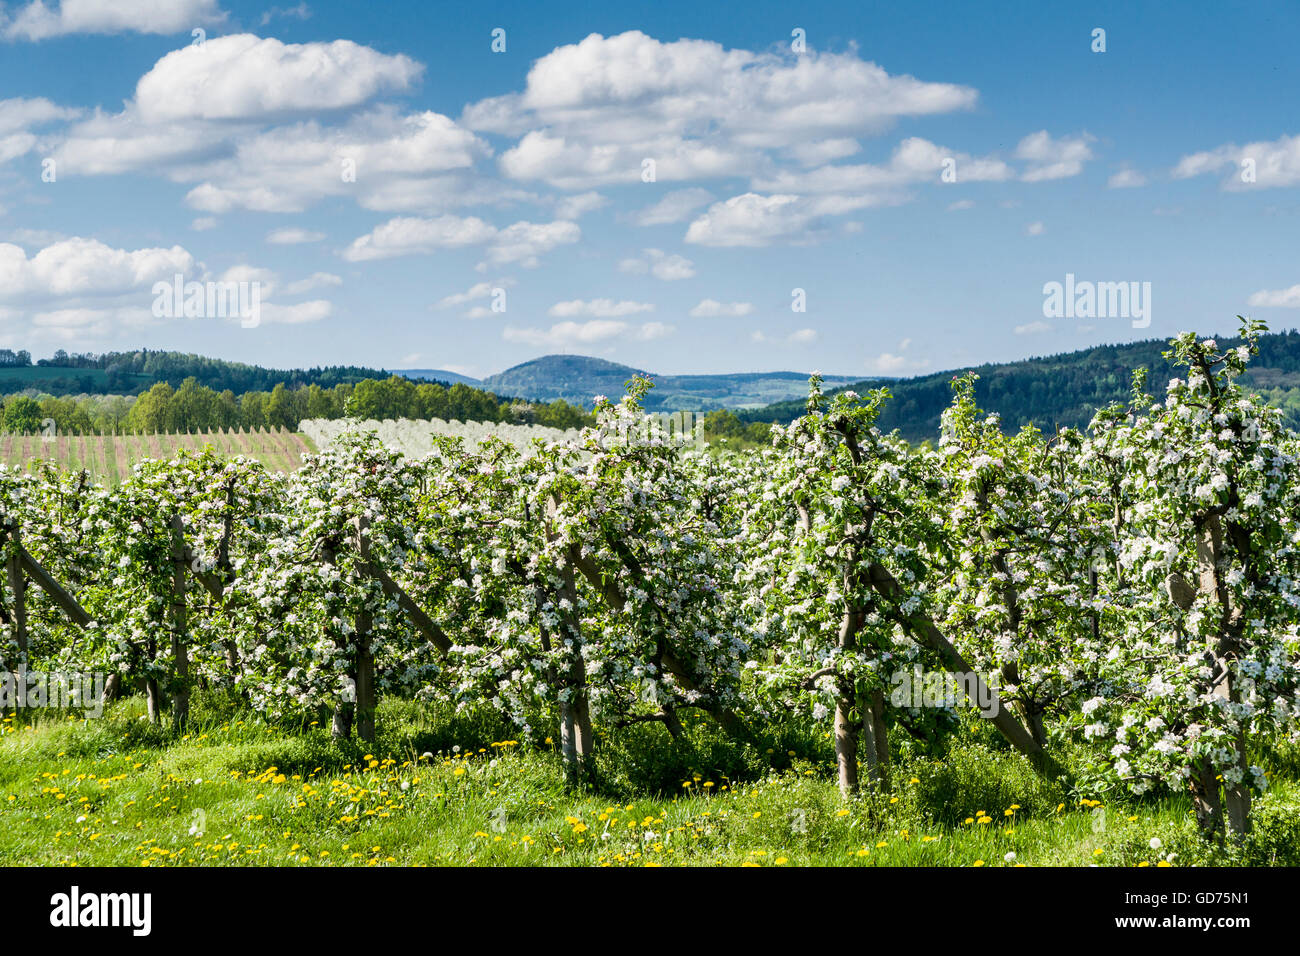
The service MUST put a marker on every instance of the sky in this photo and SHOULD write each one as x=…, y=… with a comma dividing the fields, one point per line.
x=859, y=188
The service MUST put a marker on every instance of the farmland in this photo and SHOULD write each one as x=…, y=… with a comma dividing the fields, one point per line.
x=840, y=649
x=108, y=458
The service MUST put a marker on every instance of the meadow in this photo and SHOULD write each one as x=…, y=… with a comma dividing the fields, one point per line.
x=437, y=788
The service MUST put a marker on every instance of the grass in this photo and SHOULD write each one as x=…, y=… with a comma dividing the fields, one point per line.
x=108, y=458
x=435, y=789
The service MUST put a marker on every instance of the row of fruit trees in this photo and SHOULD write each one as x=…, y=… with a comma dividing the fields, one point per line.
x=1129, y=590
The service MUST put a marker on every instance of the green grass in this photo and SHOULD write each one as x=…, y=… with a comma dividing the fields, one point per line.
x=444, y=789
x=108, y=457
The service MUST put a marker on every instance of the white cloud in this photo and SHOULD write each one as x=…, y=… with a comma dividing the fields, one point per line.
x=23, y=114
x=1035, y=229
x=599, y=308
x=753, y=220
x=39, y=238
x=292, y=236
x=797, y=337
x=961, y=204
x=203, y=224
x=479, y=290
x=1275, y=163
x=78, y=267
x=889, y=363
x=574, y=207
x=674, y=207
x=524, y=242
x=590, y=112
x=410, y=235
x=914, y=160
x=40, y=20
x=1276, y=298
x=569, y=334
x=1053, y=158
x=710, y=308
x=317, y=280
x=1126, y=179
x=300, y=12
x=297, y=314
x=660, y=264
x=244, y=76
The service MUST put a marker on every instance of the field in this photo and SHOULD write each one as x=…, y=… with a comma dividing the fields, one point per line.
x=436, y=789
x=108, y=458
x=841, y=650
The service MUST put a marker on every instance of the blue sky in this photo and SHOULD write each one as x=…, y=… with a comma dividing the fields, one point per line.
x=523, y=171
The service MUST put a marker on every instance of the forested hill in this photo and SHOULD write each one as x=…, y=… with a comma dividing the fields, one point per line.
x=130, y=373
x=1062, y=389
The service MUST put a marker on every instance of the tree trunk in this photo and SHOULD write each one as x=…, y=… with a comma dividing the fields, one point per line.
x=875, y=739
x=846, y=745
x=180, y=650
x=366, y=702
x=341, y=725
x=846, y=728
x=1206, y=802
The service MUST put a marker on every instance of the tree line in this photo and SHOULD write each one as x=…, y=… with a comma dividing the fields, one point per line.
x=194, y=407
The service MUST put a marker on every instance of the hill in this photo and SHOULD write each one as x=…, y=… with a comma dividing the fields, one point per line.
x=1059, y=390
x=578, y=378
x=131, y=373
x=438, y=375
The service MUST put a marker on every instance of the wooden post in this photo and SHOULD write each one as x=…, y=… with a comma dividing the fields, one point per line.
x=180, y=648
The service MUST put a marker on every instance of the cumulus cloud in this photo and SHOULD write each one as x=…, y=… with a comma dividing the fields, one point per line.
x=600, y=308
x=1126, y=179
x=479, y=290
x=251, y=122
x=890, y=363
x=676, y=206
x=797, y=337
x=711, y=308
x=1050, y=158
x=79, y=267
x=570, y=334
x=525, y=242
x=244, y=76
x=755, y=220
x=591, y=112
x=1273, y=163
x=914, y=160
x=412, y=235
x=317, y=280
x=574, y=207
x=40, y=20
x=292, y=236
x=1276, y=298
x=660, y=264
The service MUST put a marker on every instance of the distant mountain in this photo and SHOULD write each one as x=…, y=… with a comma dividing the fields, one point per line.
x=438, y=375
x=579, y=378
x=1060, y=390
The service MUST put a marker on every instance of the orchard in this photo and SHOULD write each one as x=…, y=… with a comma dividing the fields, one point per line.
x=1126, y=596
